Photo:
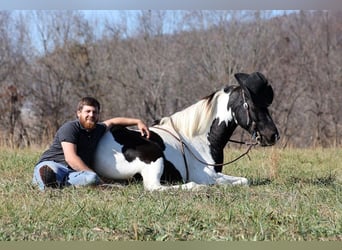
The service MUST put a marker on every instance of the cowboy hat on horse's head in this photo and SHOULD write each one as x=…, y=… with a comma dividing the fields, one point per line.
x=256, y=85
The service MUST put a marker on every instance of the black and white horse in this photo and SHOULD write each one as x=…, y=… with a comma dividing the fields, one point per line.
x=188, y=146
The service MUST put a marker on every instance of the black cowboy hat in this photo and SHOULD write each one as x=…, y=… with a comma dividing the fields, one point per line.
x=256, y=85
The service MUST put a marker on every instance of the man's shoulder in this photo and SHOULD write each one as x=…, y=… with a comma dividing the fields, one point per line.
x=70, y=126
x=71, y=123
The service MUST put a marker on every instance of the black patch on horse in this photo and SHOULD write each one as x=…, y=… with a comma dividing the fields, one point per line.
x=170, y=174
x=137, y=146
x=218, y=137
x=147, y=150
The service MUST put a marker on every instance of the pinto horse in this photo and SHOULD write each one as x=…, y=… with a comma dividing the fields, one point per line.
x=187, y=147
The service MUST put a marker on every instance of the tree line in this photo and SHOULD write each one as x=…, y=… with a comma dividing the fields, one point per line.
x=150, y=64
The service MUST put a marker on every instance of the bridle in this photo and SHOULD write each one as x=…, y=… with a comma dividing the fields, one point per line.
x=255, y=134
x=178, y=137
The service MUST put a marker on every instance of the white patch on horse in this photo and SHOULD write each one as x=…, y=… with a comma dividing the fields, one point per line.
x=221, y=112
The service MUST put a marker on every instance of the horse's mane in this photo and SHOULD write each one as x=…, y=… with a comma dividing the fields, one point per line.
x=195, y=119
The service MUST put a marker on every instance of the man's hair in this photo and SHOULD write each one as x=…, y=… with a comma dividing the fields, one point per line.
x=89, y=101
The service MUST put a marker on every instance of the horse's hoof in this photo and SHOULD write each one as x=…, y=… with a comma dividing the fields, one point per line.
x=242, y=182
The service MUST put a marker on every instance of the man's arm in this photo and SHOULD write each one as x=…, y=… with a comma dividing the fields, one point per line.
x=71, y=157
x=124, y=121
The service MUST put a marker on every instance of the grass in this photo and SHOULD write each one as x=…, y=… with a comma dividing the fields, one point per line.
x=294, y=195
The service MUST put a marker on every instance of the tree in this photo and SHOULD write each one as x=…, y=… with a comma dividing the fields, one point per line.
x=152, y=63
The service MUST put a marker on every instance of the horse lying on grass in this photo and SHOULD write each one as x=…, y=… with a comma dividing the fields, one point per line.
x=188, y=145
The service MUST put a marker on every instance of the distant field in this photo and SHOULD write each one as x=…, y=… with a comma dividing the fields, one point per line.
x=294, y=194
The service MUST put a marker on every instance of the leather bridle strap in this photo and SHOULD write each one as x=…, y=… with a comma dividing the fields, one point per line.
x=245, y=106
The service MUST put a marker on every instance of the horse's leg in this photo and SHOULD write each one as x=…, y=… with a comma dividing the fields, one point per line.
x=232, y=180
x=152, y=173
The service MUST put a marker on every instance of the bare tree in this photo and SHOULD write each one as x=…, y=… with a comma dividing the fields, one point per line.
x=153, y=63
x=65, y=71
x=14, y=53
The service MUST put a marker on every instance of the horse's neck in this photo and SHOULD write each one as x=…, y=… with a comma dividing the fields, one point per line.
x=194, y=121
x=223, y=124
x=208, y=118
x=209, y=124
x=218, y=137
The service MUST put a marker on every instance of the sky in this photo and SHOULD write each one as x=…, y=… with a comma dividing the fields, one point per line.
x=174, y=4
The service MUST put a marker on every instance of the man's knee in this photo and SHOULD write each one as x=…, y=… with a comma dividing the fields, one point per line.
x=83, y=178
x=92, y=178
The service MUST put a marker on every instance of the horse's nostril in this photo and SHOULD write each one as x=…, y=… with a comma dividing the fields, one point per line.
x=276, y=137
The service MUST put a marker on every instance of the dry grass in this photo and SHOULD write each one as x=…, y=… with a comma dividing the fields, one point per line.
x=294, y=195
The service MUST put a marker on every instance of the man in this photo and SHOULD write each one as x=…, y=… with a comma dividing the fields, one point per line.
x=68, y=160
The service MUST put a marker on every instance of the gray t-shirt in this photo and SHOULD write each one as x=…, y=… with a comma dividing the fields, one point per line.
x=73, y=132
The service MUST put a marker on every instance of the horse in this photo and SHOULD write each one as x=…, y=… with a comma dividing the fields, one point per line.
x=186, y=149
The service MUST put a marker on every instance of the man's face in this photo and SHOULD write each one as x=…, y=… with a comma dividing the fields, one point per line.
x=88, y=117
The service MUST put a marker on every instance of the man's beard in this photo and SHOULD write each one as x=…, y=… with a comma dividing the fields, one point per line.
x=88, y=124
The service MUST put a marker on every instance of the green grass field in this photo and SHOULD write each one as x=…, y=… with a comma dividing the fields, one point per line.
x=294, y=194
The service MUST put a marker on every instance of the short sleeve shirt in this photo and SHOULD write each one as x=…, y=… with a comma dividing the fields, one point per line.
x=73, y=132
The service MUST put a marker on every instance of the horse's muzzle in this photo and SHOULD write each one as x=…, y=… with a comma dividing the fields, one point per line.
x=264, y=142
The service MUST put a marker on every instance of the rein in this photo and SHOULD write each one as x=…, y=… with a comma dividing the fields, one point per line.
x=184, y=145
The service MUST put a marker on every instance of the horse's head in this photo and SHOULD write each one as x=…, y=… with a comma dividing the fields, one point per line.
x=250, y=104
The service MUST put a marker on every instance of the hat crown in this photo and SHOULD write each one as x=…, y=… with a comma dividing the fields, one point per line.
x=257, y=86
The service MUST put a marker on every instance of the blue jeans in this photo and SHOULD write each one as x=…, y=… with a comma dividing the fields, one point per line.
x=65, y=176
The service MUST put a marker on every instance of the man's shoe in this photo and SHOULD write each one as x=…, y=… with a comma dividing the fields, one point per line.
x=48, y=176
